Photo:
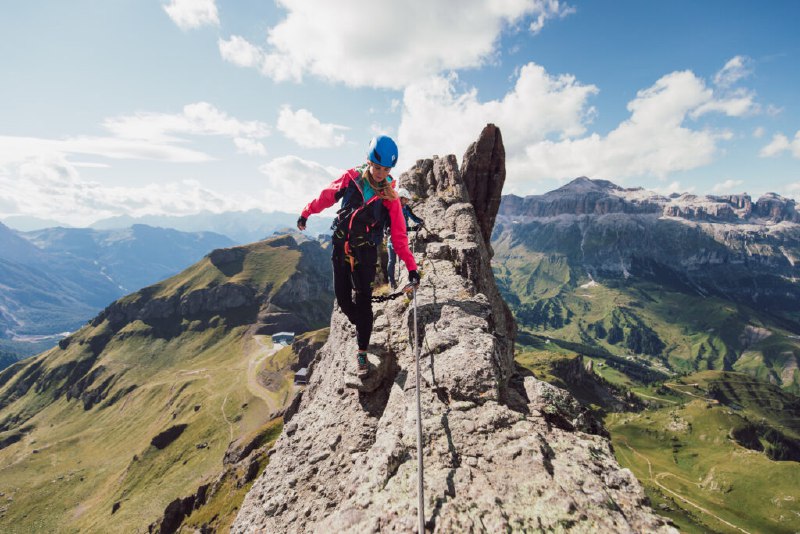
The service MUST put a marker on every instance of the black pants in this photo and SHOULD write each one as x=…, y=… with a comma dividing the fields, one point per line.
x=358, y=279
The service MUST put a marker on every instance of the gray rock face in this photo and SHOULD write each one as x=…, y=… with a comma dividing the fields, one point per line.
x=777, y=208
x=726, y=245
x=483, y=171
x=584, y=196
x=347, y=459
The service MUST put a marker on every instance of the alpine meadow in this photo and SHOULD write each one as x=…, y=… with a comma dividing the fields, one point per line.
x=426, y=267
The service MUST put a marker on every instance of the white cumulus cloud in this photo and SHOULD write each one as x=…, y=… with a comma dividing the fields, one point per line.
x=292, y=182
x=148, y=136
x=779, y=144
x=200, y=118
x=39, y=177
x=50, y=186
x=306, y=130
x=438, y=119
x=545, y=118
x=189, y=14
x=241, y=52
x=728, y=186
x=656, y=140
x=737, y=68
x=249, y=146
x=385, y=44
x=547, y=10
x=19, y=149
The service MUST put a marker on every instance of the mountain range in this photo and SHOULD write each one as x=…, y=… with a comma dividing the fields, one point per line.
x=678, y=284
x=54, y=280
x=159, y=394
x=240, y=226
x=569, y=341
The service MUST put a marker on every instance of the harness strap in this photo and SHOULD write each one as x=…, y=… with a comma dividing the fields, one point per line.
x=348, y=252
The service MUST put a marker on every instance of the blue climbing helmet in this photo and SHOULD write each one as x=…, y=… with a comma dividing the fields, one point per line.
x=383, y=151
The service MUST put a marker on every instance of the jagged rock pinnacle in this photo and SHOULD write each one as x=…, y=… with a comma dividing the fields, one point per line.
x=483, y=171
x=493, y=460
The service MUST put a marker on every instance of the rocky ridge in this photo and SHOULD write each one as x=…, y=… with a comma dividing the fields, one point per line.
x=274, y=306
x=500, y=454
x=727, y=246
x=298, y=304
x=584, y=196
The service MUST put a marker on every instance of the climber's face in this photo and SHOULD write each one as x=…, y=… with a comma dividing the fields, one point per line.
x=379, y=172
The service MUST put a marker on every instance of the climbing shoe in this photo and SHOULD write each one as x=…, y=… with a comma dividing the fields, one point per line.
x=363, y=367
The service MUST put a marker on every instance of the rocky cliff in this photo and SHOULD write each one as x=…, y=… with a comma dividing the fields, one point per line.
x=584, y=196
x=727, y=246
x=500, y=454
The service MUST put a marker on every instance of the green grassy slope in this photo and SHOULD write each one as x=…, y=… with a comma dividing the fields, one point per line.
x=691, y=458
x=711, y=353
x=101, y=433
x=703, y=445
x=661, y=325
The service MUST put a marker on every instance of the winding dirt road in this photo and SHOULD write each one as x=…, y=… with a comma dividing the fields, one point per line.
x=654, y=480
x=256, y=358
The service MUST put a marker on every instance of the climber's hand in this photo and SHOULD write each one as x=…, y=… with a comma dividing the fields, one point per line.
x=413, y=278
x=301, y=223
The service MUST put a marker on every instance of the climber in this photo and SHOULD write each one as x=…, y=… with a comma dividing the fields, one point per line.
x=369, y=202
x=405, y=198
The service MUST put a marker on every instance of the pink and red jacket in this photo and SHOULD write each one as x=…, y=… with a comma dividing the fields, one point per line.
x=353, y=188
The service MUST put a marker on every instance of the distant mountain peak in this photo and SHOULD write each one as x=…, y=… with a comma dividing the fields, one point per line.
x=583, y=184
x=586, y=196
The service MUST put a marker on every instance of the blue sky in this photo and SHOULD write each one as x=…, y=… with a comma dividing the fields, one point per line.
x=176, y=106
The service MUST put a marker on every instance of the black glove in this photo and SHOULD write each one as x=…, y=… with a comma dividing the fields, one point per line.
x=301, y=223
x=413, y=277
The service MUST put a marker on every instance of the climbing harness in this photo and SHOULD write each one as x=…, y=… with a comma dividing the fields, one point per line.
x=355, y=221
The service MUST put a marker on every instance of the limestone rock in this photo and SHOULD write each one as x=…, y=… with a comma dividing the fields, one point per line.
x=714, y=245
x=584, y=196
x=483, y=170
x=777, y=208
x=347, y=460
x=380, y=366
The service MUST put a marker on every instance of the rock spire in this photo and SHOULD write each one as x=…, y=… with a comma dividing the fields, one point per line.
x=500, y=453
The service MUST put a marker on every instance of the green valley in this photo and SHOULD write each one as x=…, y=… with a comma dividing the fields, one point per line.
x=675, y=320
x=704, y=446
x=668, y=328
x=164, y=395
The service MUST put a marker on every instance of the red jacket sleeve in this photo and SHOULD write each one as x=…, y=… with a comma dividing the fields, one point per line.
x=399, y=236
x=327, y=197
